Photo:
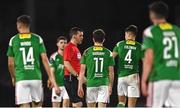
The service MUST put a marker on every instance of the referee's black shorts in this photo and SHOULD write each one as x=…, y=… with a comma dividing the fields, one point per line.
x=71, y=85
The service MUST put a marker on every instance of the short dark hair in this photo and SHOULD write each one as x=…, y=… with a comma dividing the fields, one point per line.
x=25, y=19
x=74, y=31
x=61, y=38
x=99, y=35
x=132, y=28
x=160, y=9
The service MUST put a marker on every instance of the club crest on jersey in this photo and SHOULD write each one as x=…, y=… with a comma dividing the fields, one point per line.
x=24, y=36
x=79, y=56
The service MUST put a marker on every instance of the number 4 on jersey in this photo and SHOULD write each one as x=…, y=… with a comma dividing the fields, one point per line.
x=128, y=56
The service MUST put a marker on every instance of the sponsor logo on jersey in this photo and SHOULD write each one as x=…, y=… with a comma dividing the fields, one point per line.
x=24, y=36
x=79, y=56
x=97, y=48
x=130, y=42
x=165, y=26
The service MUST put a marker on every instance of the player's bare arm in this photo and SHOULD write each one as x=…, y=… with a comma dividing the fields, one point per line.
x=11, y=69
x=147, y=66
x=70, y=68
x=111, y=78
x=114, y=54
x=50, y=75
x=81, y=80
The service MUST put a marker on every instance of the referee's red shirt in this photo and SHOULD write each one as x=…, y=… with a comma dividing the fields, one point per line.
x=73, y=55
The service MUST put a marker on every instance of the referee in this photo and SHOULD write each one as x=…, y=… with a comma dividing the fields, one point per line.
x=72, y=58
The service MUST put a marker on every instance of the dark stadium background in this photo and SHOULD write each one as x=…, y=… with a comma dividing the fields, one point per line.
x=52, y=18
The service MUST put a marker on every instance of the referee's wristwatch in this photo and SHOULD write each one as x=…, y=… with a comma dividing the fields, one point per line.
x=76, y=75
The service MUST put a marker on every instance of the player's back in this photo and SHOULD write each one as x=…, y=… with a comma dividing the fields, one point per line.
x=97, y=60
x=164, y=39
x=129, y=53
x=26, y=49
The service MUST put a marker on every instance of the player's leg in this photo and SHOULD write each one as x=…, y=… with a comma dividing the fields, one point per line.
x=174, y=95
x=103, y=96
x=101, y=105
x=26, y=105
x=91, y=97
x=132, y=102
x=122, y=92
x=36, y=104
x=36, y=93
x=66, y=101
x=56, y=100
x=133, y=89
x=22, y=91
x=157, y=93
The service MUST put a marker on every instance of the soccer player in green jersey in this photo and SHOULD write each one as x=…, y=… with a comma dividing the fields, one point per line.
x=161, y=65
x=129, y=55
x=24, y=67
x=57, y=69
x=100, y=72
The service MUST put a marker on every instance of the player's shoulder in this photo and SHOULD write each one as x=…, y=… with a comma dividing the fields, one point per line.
x=37, y=37
x=107, y=50
x=12, y=39
x=138, y=43
x=148, y=31
x=53, y=55
x=120, y=43
x=88, y=50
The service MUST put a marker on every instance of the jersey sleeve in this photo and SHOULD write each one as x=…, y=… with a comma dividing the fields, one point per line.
x=52, y=62
x=83, y=59
x=148, y=40
x=111, y=60
x=41, y=46
x=116, y=48
x=10, y=52
x=68, y=53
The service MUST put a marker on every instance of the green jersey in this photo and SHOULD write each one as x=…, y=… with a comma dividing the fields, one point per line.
x=164, y=39
x=97, y=61
x=26, y=50
x=129, y=56
x=56, y=62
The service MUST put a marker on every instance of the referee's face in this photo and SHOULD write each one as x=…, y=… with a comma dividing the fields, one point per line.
x=79, y=37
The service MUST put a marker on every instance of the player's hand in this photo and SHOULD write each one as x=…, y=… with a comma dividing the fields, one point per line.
x=49, y=84
x=144, y=87
x=80, y=92
x=57, y=90
x=110, y=89
x=13, y=81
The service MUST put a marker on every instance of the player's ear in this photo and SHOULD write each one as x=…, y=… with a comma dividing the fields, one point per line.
x=57, y=44
x=93, y=40
x=103, y=40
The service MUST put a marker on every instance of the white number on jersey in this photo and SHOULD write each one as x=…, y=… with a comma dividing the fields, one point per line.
x=169, y=42
x=97, y=60
x=29, y=57
x=128, y=56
